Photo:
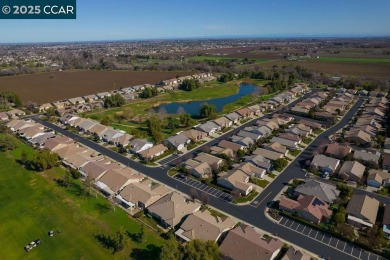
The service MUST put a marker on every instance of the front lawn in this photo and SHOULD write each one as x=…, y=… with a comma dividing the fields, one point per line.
x=33, y=203
x=259, y=182
x=295, y=153
x=307, y=140
x=251, y=196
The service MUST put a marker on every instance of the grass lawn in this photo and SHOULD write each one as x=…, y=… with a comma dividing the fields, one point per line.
x=245, y=101
x=173, y=172
x=295, y=152
x=33, y=204
x=271, y=175
x=248, y=198
x=307, y=140
x=259, y=182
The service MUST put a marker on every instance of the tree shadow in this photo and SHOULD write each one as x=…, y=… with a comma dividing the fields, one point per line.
x=150, y=252
x=135, y=237
x=102, y=207
x=106, y=241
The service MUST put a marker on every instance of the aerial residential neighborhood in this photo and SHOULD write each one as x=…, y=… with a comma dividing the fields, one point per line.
x=195, y=130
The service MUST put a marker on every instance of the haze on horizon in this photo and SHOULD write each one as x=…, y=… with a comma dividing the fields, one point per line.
x=154, y=19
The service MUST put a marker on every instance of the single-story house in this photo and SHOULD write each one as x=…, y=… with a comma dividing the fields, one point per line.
x=386, y=221
x=251, y=135
x=141, y=194
x=294, y=254
x=244, y=243
x=308, y=207
x=235, y=180
x=245, y=112
x=362, y=210
x=352, y=170
x=338, y=151
x=323, y=191
x=172, y=208
x=290, y=144
x=199, y=169
x=234, y=117
x=139, y=145
x=208, y=127
x=95, y=169
x=251, y=170
x=325, y=163
x=4, y=116
x=113, y=181
x=178, y=141
x=259, y=161
x=219, y=150
x=153, y=152
x=313, y=125
x=271, y=155
x=367, y=156
x=90, y=98
x=76, y=100
x=276, y=147
x=377, y=178
x=195, y=135
x=223, y=122
x=235, y=147
x=357, y=137
x=213, y=161
x=204, y=226
x=386, y=162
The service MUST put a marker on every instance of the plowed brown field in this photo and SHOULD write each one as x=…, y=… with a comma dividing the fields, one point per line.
x=48, y=87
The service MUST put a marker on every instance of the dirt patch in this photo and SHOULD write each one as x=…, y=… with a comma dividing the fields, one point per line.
x=48, y=87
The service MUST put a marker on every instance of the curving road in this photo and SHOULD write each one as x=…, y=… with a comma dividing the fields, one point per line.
x=252, y=215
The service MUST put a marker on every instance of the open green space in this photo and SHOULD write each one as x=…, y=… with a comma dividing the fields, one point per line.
x=139, y=109
x=351, y=59
x=32, y=204
x=260, y=182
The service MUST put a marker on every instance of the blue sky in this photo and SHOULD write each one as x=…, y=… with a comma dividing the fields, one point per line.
x=154, y=19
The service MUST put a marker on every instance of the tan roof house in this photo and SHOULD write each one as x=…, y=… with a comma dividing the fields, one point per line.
x=172, y=208
x=362, y=210
x=95, y=169
x=235, y=180
x=195, y=135
x=141, y=194
x=213, y=161
x=338, y=151
x=198, y=169
x=114, y=180
x=352, y=170
x=308, y=207
x=233, y=146
x=244, y=243
x=276, y=147
x=153, y=151
x=294, y=254
x=325, y=163
x=377, y=178
x=204, y=226
x=58, y=142
x=271, y=155
x=223, y=122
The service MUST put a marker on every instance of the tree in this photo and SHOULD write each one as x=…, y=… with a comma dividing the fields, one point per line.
x=8, y=143
x=119, y=240
x=106, y=120
x=44, y=160
x=142, y=233
x=208, y=111
x=171, y=250
x=190, y=84
x=75, y=173
x=24, y=157
x=347, y=231
x=66, y=181
x=197, y=249
x=115, y=100
x=204, y=198
x=339, y=217
x=171, y=124
x=279, y=164
x=155, y=123
x=149, y=92
x=186, y=120
x=226, y=77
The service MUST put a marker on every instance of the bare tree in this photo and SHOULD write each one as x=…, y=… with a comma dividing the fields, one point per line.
x=193, y=194
x=235, y=194
x=204, y=198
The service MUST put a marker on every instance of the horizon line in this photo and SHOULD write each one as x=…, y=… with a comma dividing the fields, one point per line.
x=216, y=37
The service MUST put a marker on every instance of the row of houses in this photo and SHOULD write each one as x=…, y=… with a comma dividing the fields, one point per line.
x=11, y=114
x=95, y=101
x=132, y=190
x=259, y=162
x=369, y=122
x=311, y=201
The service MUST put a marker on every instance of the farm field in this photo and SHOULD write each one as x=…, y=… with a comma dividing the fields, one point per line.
x=48, y=87
x=368, y=69
x=32, y=204
x=355, y=59
x=223, y=58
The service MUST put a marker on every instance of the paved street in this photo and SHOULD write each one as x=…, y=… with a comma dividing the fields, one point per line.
x=252, y=214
